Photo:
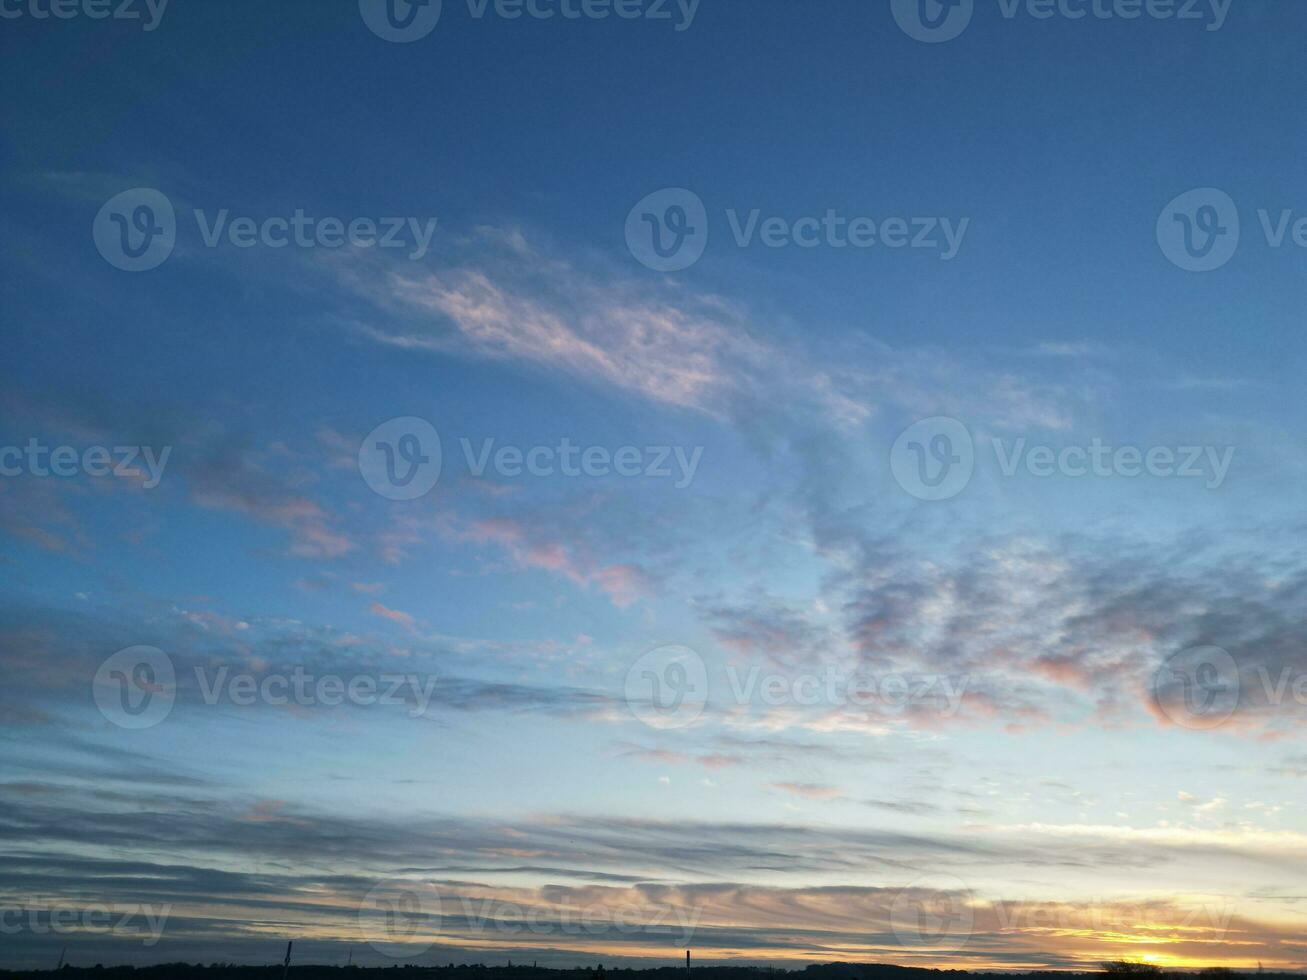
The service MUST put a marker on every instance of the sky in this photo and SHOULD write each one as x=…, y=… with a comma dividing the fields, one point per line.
x=573, y=482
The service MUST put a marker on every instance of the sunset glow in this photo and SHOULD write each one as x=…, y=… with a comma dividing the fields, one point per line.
x=581, y=482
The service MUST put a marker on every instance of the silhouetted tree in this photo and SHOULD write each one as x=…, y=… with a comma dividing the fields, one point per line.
x=1131, y=968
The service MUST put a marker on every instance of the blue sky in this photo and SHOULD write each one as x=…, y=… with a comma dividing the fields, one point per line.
x=774, y=529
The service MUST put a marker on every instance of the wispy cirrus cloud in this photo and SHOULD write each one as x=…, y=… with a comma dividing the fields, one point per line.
x=228, y=475
x=676, y=348
x=605, y=865
x=536, y=546
x=810, y=791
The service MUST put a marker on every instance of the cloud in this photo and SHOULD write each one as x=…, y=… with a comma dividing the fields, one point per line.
x=227, y=475
x=810, y=791
x=709, y=760
x=768, y=628
x=394, y=615
x=50, y=656
x=658, y=351
x=534, y=545
x=503, y=299
x=235, y=862
x=1074, y=630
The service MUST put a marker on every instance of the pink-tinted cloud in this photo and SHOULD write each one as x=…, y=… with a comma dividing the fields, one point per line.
x=394, y=615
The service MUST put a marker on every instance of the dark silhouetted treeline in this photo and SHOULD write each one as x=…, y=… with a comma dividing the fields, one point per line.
x=832, y=971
